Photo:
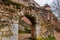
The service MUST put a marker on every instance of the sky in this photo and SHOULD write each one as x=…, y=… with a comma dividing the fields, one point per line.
x=42, y=2
x=54, y=5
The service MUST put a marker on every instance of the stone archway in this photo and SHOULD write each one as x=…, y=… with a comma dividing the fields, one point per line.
x=32, y=21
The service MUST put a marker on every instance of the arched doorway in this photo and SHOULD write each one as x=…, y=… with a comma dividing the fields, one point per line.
x=31, y=22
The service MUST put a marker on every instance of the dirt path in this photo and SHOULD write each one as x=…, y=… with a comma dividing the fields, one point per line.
x=24, y=36
x=57, y=35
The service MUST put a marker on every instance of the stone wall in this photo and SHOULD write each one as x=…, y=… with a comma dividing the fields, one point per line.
x=13, y=12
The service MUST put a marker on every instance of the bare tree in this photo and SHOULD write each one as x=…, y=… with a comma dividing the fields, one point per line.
x=55, y=7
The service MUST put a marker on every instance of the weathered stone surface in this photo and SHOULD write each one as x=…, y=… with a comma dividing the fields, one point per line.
x=12, y=14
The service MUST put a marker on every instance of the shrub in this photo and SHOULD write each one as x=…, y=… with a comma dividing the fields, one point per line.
x=50, y=38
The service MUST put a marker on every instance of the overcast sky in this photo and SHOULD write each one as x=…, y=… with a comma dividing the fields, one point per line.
x=54, y=5
x=42, y=2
